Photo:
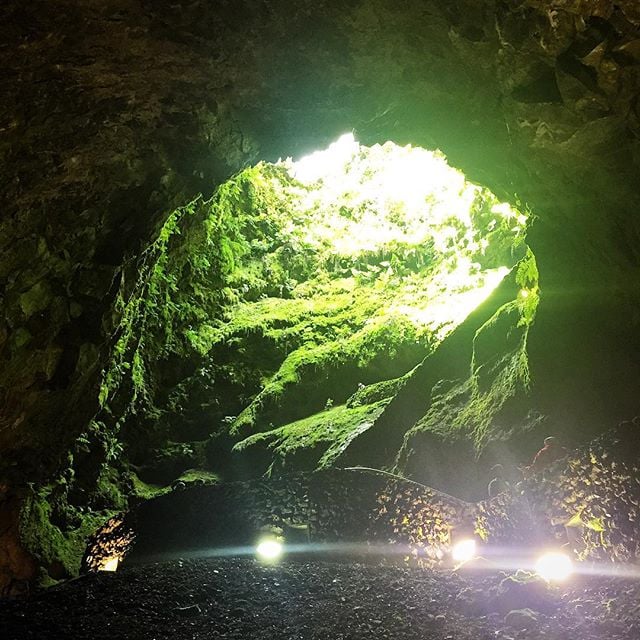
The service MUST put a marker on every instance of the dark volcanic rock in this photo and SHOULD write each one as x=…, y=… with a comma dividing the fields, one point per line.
x=239, y=598
x=111, y=115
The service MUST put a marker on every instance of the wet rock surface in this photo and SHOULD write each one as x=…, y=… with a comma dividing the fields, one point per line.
x=240, y=598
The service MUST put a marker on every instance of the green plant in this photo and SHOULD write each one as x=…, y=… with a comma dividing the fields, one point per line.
x=248, y=298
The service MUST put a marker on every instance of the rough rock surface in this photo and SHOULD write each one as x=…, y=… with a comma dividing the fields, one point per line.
x=114, y=113
x=239, y=598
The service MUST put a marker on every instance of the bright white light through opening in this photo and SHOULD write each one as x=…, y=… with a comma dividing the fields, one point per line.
x=554, y=566
x=464, y=550
x=318, y=165
x=390, y=200
x=269, y=549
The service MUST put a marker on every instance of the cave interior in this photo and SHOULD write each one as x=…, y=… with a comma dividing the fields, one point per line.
x=179, y=305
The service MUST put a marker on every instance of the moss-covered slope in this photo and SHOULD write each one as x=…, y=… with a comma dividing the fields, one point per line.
x=266, y=308
x=114, y=114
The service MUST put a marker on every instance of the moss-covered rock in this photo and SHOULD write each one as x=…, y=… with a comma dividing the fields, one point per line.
x=115, y=117
x=315, y=441
x=54, y=533
x=294, y=286
x=36, y=299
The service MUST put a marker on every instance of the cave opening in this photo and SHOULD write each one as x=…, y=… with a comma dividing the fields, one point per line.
x=268, y=328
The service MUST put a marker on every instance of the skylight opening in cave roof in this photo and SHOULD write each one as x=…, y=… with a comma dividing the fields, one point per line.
x=387, y=199
x=422, y=196
x=353, y=238
x=355, y=262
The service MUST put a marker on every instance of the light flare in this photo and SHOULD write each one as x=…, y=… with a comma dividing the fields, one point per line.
x=269, y=550
x=554, y=566
x=464, y=550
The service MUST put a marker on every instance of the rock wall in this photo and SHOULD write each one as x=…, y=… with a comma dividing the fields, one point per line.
x=594, y=491
x=335, y=506
x=17, y=566
x=112, y=114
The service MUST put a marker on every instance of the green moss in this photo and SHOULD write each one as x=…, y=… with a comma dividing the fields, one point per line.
x=199, y=476
x=108, y=490
x=324, y=435
x=320, y=368
x=479, y=406
x=529, y=295
x=146, y=490
x=35, y=299
x=368, y=394
x=473, y=406
x=56, y=544
x=283, y=293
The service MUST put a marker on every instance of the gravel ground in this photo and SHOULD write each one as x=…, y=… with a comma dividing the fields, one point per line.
x=240, y=598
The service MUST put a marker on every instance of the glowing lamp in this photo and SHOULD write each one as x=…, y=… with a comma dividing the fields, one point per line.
x=464, y=550
x=109, y=564
x=554, y=566
x=269, y=550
